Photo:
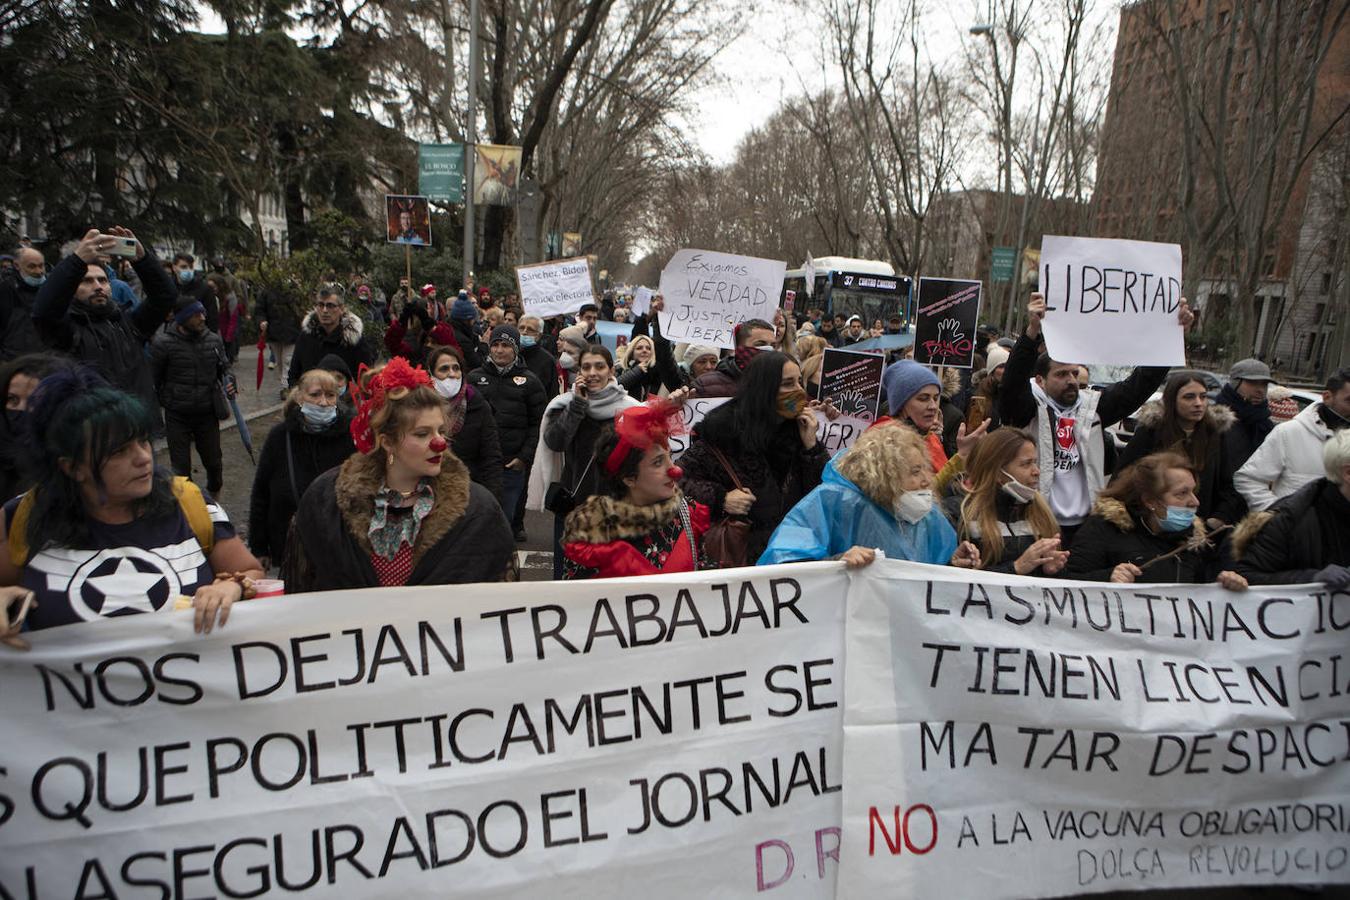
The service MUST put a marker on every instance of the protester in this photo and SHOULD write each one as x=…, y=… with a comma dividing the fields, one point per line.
x=565, y=471
x=536, y=358
x=518, y=403
x=101, y=509
x=279, y=326
x=402, y=298
x=470, y=423
x=1069, y=423
x=412, y=343
x=875, y=495
x=914, y=397
x=1245, y=396
x=433, y=308
x=698, y=360
x=977, y=402
x=784, y=333
x=571, y=345
x=1185, y=421
x=1144, y=528
x=463, y=319
x=827, y=330
x=313, y=436
x=330, y=329
x=75, y=315
x=1003, y=513
x=1292, y=454
x=751, y=337
x=189, y=365
x=402, y=510
x=1305, y=537
x=808, y=346
x=663, y=373
x=18, y=296
x=854, y=332
x=192, y=287
x=587, y=316
x=638, y=523
x=765, y=439
x=18, y=379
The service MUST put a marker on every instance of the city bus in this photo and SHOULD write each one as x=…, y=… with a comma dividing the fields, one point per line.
x=863, y=287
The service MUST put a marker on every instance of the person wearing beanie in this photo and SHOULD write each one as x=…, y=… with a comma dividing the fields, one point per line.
x=571, y=344
x=188, y=364
x=464, y=321
x=700, y=359
x=434, y=308
x=517, y=398
x=914, y=397
x=854, y=332
x=995, y=360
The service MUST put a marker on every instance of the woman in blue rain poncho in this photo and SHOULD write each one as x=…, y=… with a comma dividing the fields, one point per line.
x=878, y=494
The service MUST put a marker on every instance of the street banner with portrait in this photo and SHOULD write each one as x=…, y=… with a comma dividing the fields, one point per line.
x=1018, y=737
x=556, y=288
x=407, y=219
x=496, y=175
x=946, y=315
x=1112, y=302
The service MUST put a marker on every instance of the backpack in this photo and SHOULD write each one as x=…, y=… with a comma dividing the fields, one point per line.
x=189, y=497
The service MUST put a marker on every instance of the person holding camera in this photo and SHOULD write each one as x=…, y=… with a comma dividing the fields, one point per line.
x=565, y=471
x=75, y=314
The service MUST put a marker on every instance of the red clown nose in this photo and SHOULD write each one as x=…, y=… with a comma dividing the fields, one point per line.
x=438, y=445
x=674, y=473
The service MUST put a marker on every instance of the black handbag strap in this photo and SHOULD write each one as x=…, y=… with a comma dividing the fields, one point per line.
x=689, y=531
x=290, y=468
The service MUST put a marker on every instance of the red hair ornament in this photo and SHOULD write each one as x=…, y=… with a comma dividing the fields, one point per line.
x=639, y=427
x=395, y=381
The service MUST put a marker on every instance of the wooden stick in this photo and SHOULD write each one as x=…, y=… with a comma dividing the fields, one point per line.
x=1188, y=545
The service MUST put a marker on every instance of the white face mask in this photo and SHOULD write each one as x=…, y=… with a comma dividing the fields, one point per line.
x=449, y=387
x=567, y=361
x=1017, y=490
x=914, y=505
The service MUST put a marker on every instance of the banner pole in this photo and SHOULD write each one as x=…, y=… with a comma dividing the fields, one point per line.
x=471, y=140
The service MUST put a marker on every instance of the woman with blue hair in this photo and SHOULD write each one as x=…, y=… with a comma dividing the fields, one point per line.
x=878, y=494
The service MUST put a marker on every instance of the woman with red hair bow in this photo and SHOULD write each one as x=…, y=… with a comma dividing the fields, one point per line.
x=402, y=510
x=639, y=523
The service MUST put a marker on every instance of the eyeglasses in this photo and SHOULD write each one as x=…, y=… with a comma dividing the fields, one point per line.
x=329, y=305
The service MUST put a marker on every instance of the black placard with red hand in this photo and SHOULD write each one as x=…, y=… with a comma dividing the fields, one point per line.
x=945, y=318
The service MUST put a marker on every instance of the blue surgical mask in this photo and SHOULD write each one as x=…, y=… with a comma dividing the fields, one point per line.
x=1178, y=518
x=185, y=275
x=528, y=341
x=317, y=416
x=34, y=280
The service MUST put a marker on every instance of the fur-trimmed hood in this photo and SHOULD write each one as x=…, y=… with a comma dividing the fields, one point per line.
x=1247, y=530
x=602, y=519
x=361, y=477
x=1117, y=514
x=351, y=327
x=1217, y=415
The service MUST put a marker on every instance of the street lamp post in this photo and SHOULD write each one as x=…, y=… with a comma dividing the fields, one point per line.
x=471, y=139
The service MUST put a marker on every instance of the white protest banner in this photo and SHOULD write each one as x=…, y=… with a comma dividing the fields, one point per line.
x=836, y=434
x=680, y=733
x=642, y=301
x=693, y=410
x=557, y=288
x=708, y=294
x=1013, y=737
x=1112, y=301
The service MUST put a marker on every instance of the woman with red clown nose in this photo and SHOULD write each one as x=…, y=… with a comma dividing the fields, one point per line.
x=639, y=523
x=402, y=509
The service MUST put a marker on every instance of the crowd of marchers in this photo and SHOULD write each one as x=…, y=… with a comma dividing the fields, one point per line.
x=414, y=463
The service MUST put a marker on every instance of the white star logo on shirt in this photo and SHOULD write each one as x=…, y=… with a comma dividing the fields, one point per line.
x=126, y=587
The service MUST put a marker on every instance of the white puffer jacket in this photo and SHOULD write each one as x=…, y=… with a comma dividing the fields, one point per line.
x=1289, y=458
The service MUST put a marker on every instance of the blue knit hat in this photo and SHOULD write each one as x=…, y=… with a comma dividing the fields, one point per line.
x=904, y=379
x=463, y=307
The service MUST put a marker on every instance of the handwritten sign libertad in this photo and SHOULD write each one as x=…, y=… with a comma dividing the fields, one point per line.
x=708, y=294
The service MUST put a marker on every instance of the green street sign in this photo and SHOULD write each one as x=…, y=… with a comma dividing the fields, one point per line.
x=440, y=172
x=1002, y=264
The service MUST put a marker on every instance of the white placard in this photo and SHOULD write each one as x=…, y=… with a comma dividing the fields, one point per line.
x=707, y=294
x=1112, y=301
x=809, y=275
x=642, y=300
x=557, y=288
x=677, y=733
x=837, y=434
x=1015, y=737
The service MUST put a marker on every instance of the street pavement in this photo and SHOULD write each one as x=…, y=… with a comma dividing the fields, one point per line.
x=262, y=409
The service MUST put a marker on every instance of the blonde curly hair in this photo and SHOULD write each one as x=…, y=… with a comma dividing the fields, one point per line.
x=880, y=460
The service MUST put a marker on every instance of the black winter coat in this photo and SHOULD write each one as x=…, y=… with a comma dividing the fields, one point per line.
x=1251, y=426
x=345, y=341
x=1017, y=535
x=187, y=369
x=544, y=366
x=665, y=373
x=778, y=478
x=20, y=335
x=1112, y=535
x=518, y=401
x=279, y=312
x=1218, y=498
x=1294, y=539
x=291, y=459
x=478, y=445
x=464, y=539
x=104, y=336
x=469, y=344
